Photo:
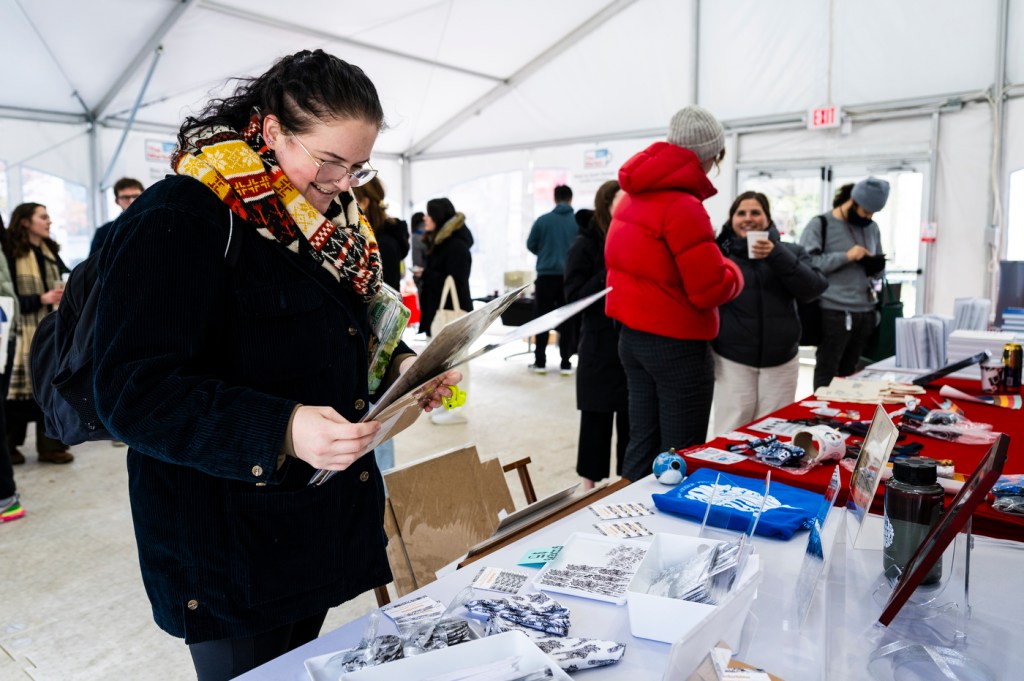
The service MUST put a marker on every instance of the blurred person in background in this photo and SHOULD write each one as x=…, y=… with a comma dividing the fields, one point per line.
x=601, y=390
x=10, y=503
x=38, y=271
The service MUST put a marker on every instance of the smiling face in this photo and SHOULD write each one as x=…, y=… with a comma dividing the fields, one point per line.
x=749, y=216
x=348, y=141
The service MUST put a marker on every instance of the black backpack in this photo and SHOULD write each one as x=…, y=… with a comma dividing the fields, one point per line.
x=60, y=359
x=810, y=313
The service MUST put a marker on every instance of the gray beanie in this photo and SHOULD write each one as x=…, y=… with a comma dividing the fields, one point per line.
x=694, y=128
x=871, y=194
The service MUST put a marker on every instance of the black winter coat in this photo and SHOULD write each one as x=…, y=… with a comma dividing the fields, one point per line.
x=449, y=257
x=199, y=363
x=760, y=327
x=600, y=379
x=393, y=241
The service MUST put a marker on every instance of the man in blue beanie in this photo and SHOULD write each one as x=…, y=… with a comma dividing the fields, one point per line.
x=847, y=246
x=550, y=238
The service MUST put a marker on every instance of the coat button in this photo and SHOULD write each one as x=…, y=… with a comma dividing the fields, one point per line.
x=257, y=470
x=352, y=331
x=360, y=405
x=193, y=604
x=364, y=476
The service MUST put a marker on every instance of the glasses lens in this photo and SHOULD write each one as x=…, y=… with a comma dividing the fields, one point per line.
x=362, y=176
x=330, y=173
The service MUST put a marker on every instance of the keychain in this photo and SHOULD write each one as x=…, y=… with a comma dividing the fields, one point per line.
x=457, y=399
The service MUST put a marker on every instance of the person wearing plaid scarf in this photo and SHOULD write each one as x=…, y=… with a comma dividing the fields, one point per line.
x=231, y=356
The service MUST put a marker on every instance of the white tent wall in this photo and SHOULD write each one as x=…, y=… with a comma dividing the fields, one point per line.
x=961, y=259
x=1014, y=162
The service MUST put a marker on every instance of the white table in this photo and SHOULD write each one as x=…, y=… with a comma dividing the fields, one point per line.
x=771, y=639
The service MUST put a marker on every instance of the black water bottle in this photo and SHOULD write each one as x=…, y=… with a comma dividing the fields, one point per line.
x=913, y=504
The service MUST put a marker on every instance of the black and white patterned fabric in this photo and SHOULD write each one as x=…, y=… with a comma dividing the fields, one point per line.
x=536, y=611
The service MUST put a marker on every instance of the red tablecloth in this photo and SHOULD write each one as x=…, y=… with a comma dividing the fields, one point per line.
x=966, y=457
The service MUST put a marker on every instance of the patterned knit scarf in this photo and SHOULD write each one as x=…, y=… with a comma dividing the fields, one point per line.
x=243, y=172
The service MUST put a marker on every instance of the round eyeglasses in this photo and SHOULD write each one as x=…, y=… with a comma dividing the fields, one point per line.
x=329, y=172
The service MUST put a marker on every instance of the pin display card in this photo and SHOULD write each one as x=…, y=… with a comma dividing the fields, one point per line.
x=498, y=579
x=624, y=529
x=615, y=511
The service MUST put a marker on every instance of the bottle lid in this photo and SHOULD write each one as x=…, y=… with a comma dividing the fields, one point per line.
x=918, y=470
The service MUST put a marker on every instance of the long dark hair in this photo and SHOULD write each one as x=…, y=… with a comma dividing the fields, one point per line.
x=757, y=196
x=440, y=211
x=375, y=212
x=299, y=89
x=16, y=243
x=603, y=204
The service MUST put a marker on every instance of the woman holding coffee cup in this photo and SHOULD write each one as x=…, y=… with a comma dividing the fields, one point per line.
x=755, y=354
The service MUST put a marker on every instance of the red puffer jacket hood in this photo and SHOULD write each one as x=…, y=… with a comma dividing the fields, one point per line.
x=667, y=274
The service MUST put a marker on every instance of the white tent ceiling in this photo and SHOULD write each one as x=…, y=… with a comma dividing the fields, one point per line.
x=479, y=77
x=464, y=75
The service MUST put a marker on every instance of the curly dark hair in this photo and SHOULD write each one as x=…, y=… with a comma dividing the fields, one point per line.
x=300, y=89
x=15, y=241
x=756, y=196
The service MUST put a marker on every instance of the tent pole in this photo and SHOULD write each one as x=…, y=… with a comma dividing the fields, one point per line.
x=97, y=206
x=406, y=187
x=695, y=56
x=997, y=237
x=131, y=118
x=926, y=292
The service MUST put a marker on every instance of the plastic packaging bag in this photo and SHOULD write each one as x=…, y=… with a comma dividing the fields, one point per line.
x=388, y=319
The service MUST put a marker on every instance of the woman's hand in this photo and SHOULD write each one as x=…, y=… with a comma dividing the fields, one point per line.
x=52, y=297
x=440, y=387
x=856, y=252
x=762, y=248
x=325, y=439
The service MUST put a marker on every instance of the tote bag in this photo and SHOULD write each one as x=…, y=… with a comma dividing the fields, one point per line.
x=444, y=315
x=882, y=343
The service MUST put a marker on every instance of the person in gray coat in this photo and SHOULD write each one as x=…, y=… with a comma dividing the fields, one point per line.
x=846, y=245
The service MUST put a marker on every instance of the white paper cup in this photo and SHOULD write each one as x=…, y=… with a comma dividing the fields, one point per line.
x=753, y=238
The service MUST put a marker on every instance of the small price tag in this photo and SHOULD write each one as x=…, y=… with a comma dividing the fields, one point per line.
x=538, y=557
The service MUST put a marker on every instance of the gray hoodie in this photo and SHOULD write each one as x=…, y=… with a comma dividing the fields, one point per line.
x=849, y=286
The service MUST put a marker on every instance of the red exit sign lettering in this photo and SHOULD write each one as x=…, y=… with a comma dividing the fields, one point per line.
x=823, y=117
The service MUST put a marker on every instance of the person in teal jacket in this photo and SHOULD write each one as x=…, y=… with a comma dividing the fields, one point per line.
x=550, y=238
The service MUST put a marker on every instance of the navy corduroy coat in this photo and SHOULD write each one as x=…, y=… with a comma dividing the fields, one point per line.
x=199, y=362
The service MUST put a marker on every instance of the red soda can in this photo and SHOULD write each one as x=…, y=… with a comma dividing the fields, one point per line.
x=1013, y=358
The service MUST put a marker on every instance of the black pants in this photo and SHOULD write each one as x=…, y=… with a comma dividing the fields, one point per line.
x=671, y=385
x=7, y=486
x=549, y=295
x=230, y=657
x=840, y=349
x=595, y=449
x=19, y=414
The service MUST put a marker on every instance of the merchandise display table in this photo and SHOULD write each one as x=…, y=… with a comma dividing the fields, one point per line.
x=771, y=639
x=966, y=457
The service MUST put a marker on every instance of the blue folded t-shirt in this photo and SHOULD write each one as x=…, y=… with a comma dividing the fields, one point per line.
x=788, y=509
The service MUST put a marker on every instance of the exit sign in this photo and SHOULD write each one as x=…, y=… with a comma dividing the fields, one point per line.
x=823, y=117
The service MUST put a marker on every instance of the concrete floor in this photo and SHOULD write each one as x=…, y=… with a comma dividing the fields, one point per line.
x=72, y=604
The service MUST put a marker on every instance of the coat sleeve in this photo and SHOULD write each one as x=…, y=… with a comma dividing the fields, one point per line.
x=583, y=277
x=459, y=266
x=709, y=278
x=791, y=264
x=811, y=240
x=163, y=289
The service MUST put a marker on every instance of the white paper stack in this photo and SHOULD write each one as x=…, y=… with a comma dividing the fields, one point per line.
x=971, y=313
x=921, y=342
x=1013, y=320
x=966, y=343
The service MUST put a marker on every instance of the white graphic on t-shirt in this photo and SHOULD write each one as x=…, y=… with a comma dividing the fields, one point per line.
x=739, y=498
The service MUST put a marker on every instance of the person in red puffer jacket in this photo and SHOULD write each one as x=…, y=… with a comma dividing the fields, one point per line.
x=668, y=278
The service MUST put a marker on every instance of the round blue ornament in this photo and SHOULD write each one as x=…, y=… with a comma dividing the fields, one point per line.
x=669, y=468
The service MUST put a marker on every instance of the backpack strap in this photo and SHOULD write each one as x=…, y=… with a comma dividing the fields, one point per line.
x=824, y=231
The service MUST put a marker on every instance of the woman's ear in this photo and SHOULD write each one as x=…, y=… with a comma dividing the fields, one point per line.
x=271, y=130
